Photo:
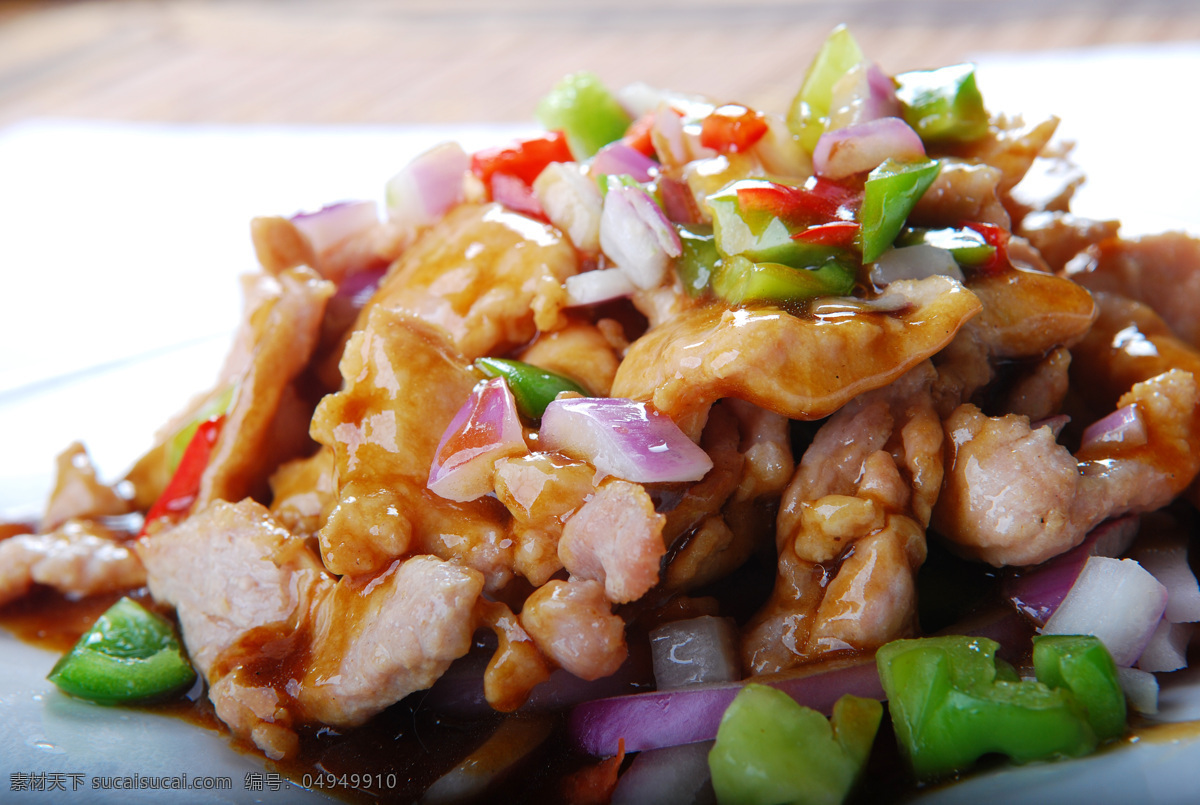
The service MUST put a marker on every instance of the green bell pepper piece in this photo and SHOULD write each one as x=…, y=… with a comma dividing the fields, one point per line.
x=943, y=105
x=757, y=235
x=951, y=703
x=967, y=246
x=772, y=750
x=532, y=388
x=130, y=655
x=740, y=280
x=583, y=108
x=809, y=113
x=699, y=261
x=891, y=192
x=1081, y=664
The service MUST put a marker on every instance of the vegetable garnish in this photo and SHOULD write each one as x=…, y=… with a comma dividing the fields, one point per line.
x=583, y=108
x=180, y=493
x=532, y=387
x=952, y=701
x=130, y=655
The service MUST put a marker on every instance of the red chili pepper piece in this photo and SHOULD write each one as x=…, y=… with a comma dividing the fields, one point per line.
x=818, y=201
x=524, y=159
x=175, y=501
x=637, y=136
x=732, y=128
x=995, y=236
x=840, y=234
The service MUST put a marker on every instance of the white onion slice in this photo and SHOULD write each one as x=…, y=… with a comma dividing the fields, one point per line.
x=624, y=438
x=854, y=149
x=1166, y=556
x=428, y=186
x=695, y=651
x=913, y=263
x=1118, y=601
x=1141, y=689
x=1167, y=649
x=572, y=202
x=636, y=235
x=486, y=428
x=594, y=287
x=1124, y=426
x=331, y=225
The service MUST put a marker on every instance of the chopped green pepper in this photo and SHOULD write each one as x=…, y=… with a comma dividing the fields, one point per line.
x=943, y=105
x=583, y=108
x=740, y=280
x=1083, y=665
x=968, y=247
x=699, y=260
x=810, y=109
x=772, y=750
x=130, y=655
x=952, y=701
x=891, y=192
x=533, y=388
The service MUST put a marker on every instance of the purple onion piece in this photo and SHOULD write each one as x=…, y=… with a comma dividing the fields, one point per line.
x=428, y=186
x=624, y=438
x=636, y=235
x=486, y=428
x=853, y=149
x=620, y=159
x=331, y=225
x=1124, y=426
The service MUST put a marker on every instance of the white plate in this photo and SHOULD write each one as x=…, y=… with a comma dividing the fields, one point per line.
x=120, y=251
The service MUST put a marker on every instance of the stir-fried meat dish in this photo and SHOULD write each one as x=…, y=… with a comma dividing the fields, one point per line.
x=673, y=362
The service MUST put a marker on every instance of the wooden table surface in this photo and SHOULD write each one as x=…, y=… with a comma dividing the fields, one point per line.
x=449, y=61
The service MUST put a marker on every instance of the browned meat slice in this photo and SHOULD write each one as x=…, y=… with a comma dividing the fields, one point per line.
x=403, y=385
x=851, y=530
x=581, y=352
x=279, y=245
x=283, y=644
x=616, y=539
x=573, y=625
x=1059, y=236
x=1039, y=392
x=1162, y=271
x=304, y=492
x=1014, y=496
x=962, y=191
x=77, y=558
x=800, y=367
x=77, y=492
x=489, y=277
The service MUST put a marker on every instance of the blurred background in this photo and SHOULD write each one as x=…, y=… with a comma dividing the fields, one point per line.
x=450, y=61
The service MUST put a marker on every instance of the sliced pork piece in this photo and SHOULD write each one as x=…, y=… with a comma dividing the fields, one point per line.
x=77, y=558
x=78, y=493
x=581, y=352
x=573, y=625
x=1162, y=271
x=489, y=277
x=1060, y=236
x=803, y=367
x=851, y=530
x=962, y=191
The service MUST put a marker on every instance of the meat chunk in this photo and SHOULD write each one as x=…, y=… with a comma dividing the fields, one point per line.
x=304, y=492
x=403, y=385
x=962, y=191
x=1060, y=236
x=800, y=367
x=77, y=558
x=489, y=277
x=616, y=539
x=581, y=352
x=573, y=625
x=78, y=493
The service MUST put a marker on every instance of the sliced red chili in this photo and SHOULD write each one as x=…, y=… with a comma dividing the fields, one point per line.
x=818, y=201
x=995, y=236
x=637, y=136
x=835, y=233
x=524, y=159
x=181, y=491
x=732, y=128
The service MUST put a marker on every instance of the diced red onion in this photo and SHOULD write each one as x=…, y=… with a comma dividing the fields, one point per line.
x=331, y=225
x=620, y=159
x=594, y=287
x=1141, y=689
x=673, y=775
x=571, y=202
x=679, y=204
x=427, y=187
x=669, y=718
x=1166, y=556
x=854, y=149
x=1038, y=591
x=513, y=193
x=695, y=651
x=636, y=236
x=352, y=295
x=1118, y=601
x=486, y=428
x=1124, y=426
x=621, y=437
x=863, y=94
x=913, y=263
x=1167, y=649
